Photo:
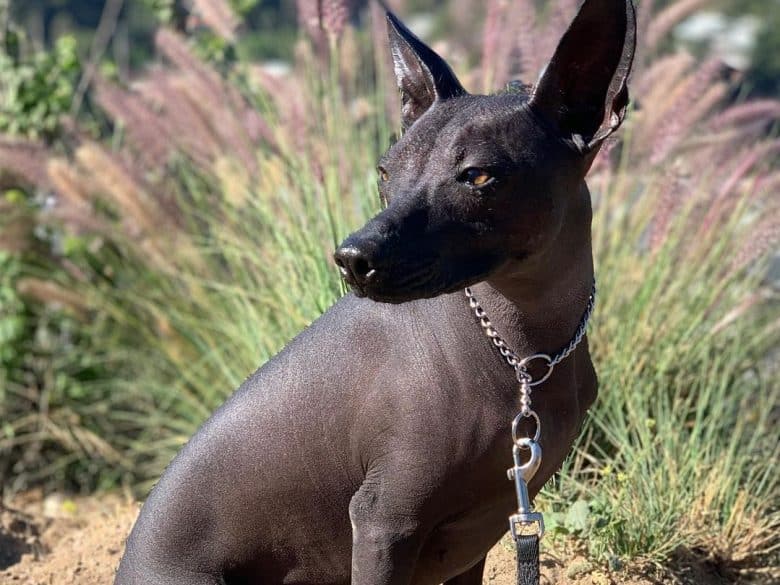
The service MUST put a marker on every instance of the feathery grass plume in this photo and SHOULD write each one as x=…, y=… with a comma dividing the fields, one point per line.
x=559, y=16
x=305, y=113
x=727, y=195
x=16, y=228
x=310, y=21
x=768, y=183
x=288, y=121
x=644, y=15
x=670, y=198
x=309, y=15
x=764, y=240
x=174, y=48
x=258, y=130
x=765, y=111
x=79, y=222
x=219, y=16
x=147, y=224
x=144, y=128
x=383, y=62
x=22, y=162
x=334, y=17
x=530, y=61
x=205, y=80
x=350, y=65
x=233, y=180
x=493, y=44
x=603, y=162
x=750, y=302
x=71, y=187
x=690, y=105
x=182, y=119
x=757, y=156
x=298, y=123
x=508, y=50
x=664, y=91
x=51, y=293
x=667, y=19
x=465, y=17
x=227, y=127
x=74, y=209
x=742, y=134
x=659, y=73
x=219, y=104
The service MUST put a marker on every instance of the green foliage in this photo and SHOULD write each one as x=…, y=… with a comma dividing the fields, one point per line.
x=164, y=10
x=276, y=43
x=13, y=314
x=176, y=277
x=214, y=49
x=11, y=320
x=764, y=74
x=50, y=409
x=168, y=10
x=244, y=7
x=36, y=92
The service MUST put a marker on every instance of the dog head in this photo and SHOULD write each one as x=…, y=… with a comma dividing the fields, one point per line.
x=479, y=183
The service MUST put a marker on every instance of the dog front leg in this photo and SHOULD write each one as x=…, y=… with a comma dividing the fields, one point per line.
x=385, y=542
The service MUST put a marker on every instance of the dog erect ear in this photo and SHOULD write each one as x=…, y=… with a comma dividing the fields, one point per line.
x=423, y=77
x=583, y=90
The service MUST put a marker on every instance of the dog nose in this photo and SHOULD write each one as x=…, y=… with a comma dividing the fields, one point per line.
x=355, y=266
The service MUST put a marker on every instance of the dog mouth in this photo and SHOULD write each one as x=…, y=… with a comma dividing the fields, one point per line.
x=420, y=282
x=423, y=281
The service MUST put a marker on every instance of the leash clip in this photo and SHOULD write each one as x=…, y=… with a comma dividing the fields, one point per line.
x=521, y=474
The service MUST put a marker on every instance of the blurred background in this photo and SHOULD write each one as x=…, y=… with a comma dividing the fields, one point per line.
x=175, y=174
x=743, y=32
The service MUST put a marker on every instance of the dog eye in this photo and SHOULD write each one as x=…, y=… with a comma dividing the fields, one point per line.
x=383, y=174
x=475, y=177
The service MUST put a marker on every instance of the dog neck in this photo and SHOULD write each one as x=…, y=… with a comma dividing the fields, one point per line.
x=537, y=305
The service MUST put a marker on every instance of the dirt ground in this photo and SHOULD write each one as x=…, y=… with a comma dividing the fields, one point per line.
x=78, y=541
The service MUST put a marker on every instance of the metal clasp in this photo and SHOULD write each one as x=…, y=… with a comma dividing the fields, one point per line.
x=522, y=473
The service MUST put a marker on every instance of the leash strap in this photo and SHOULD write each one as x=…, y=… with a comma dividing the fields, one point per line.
x=527, y=559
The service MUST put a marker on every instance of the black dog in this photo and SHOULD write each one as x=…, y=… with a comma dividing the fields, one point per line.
x=373, y=449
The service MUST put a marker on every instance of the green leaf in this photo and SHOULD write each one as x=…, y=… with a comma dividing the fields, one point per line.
x=578, y=516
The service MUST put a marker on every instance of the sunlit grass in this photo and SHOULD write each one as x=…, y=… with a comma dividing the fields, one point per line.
x=680, y=450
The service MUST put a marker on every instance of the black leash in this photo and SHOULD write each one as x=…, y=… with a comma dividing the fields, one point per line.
x=527, y=559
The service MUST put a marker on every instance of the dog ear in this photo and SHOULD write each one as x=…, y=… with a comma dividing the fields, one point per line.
x=583, y=90
x=423, y=77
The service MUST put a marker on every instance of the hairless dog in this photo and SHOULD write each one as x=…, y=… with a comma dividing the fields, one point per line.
x=373, y=449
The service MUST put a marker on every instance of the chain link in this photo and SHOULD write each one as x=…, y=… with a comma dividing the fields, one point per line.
x=511, y=357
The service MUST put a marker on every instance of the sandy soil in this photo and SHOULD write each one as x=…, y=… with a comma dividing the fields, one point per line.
x=69, y=541
x=60, y=541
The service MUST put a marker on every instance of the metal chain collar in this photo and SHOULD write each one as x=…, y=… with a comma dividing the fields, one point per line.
x=511, y=357
x=522, y=473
